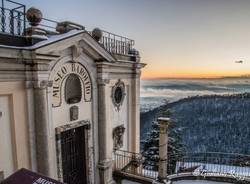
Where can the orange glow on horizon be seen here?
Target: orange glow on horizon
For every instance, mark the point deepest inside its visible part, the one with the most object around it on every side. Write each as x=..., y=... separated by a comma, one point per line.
x=181, y=74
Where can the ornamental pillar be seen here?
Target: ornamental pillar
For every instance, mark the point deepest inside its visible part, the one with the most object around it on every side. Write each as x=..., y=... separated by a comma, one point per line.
x=135, y=113
x=41, y=118
x=105, y=158
x=163, y=147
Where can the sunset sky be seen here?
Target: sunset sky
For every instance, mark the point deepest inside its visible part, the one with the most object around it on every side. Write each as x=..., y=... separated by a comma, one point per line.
x=176, y=38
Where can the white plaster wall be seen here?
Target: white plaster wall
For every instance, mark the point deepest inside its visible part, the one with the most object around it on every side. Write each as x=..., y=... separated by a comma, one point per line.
x=14, y=144
x=129, y=112
x=61, y=114
x=121, y=116
x=6, y=146
x=87, y=111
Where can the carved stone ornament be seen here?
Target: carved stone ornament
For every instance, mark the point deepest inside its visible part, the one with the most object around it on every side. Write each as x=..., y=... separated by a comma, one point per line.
x=74, y=111
x=78, y=84
x=76, y=52
x=118, y=133
x=34, y=16
x=118, y=94
x=97, y=34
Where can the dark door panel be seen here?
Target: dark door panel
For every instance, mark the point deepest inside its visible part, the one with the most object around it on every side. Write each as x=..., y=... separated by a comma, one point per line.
x=73, y=156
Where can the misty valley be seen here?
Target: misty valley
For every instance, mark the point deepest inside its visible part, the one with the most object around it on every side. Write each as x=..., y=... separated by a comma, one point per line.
x=207, y=123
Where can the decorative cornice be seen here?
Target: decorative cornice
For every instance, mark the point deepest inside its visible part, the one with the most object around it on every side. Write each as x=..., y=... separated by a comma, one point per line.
x=76, y=52
x=103, y=81
x=105, y=164
x=43, y=84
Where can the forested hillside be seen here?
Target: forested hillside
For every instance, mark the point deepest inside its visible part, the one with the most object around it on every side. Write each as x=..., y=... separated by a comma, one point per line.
x=211, y=123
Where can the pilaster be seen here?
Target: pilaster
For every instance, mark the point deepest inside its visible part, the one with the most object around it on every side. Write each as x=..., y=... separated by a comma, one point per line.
x=105, y=158
x=135, y=111
x=41, y=118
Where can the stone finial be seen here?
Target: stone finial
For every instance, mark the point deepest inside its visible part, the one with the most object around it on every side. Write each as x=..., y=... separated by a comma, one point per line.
x=133, y=52
x=66, y=26
x=97, y=34
x=34, y=16
x=163, y=120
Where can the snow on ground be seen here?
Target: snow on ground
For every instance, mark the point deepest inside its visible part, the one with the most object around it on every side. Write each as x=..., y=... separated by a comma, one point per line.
x=51, y=39
x=198, y=182
x=204, y=169
x=236, y=171
x=182, y=182
x=129, y=182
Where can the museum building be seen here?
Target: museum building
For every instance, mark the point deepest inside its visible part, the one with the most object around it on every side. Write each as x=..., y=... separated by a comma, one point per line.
x=68, y=97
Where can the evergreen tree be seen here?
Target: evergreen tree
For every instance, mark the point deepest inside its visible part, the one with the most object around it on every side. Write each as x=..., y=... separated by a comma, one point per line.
x=151, y=148
x=151, y=145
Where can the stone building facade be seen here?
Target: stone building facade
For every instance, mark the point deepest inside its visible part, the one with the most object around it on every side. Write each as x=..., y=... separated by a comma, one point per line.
x=66, y=102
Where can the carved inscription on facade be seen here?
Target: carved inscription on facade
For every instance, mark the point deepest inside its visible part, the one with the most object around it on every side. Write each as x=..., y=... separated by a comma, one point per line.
x=62, y=74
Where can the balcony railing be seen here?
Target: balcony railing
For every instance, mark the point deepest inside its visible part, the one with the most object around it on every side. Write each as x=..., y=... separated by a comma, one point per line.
x=12, y=19
x=116, y=44
x=236, y=166
x=134, y=163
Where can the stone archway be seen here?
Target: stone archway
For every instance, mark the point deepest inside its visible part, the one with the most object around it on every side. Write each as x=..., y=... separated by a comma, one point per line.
x=62, y=73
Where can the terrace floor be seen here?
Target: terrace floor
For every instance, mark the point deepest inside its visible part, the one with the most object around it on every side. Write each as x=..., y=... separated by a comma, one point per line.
x=183, y=182
x=198, y=182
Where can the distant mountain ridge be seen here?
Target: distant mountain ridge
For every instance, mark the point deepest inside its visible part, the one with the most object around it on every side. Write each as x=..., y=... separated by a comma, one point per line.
x=209, y=123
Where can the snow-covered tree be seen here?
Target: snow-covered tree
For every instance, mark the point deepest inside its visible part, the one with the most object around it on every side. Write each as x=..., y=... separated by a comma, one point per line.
x=151, y=144
x=151, y=148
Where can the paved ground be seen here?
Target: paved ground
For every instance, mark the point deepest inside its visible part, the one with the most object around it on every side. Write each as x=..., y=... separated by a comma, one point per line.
x=182, y=182
x=198, y=182
x=128, y=182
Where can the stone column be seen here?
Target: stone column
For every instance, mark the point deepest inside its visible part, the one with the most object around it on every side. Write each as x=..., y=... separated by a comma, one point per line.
x=105, y=159
x=163, y=148
x=41, y=117
x=135, y=96
x=31, y=124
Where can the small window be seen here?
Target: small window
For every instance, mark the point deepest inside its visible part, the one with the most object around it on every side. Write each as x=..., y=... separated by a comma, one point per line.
x=73, y=90
x=118, y=95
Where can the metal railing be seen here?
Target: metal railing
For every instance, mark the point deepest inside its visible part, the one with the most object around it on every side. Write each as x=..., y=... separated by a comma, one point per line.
x=48, y=24
x=223, y=164
x=116, y=44
x=12, y=19
x=212, y=163
x=133, y=163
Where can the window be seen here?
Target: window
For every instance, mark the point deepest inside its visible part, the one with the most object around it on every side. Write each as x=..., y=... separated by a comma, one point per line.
x=73, y=90
x=118, y=93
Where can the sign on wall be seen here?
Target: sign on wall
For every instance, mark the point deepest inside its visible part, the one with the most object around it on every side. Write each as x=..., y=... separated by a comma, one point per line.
x=62, y=74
